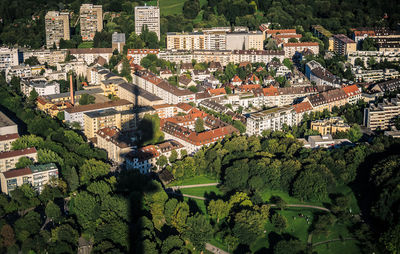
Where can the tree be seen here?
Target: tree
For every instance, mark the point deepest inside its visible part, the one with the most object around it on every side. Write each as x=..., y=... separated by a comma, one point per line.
x=172, y=244
x=7, y=236
x=47, y=156
x=391, y=239
x=53, y=212
x=23, y=162
x=293, y=40
x=93, y=169
x=199, y=125
x=32, y=61
x=126, y=69
x=279, y=202
x=198, y=230
x=279, y=221
x=183, y=153
x=173, y=157
x=368, y=44
x=33, y=95
x=162, y=161
x=150, y=125
x=228, y=90
x=60, y=115
x=180, y=215
x=288, y=63
x=218, y=209
x=71, y=176
x=191, y=9
x=86, y=209
x=239, y=125
x=359, y=62
x=86, y=99
x=249, y=225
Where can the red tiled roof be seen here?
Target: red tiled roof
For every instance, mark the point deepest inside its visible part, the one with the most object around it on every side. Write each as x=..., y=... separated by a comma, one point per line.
x=270, y=91
x=9, y=137
x=281, y=36
x=281, y=31
x=236, y=79
x=301, y=44
x=351, y=90
x=253, y=77
x=246, y=88
x=217, y=91
x=17, y=172
x=15, y=153
x=184, y=106
x=260, y=68
x=142, y=51
x=361, y=33
x=302, y=107
x=144, y=153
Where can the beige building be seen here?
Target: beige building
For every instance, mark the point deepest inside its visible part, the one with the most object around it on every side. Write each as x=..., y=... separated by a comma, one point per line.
x=343, y=45
x=57, y=28
x=91, y=20
x=148, y=16
x=8, y=58
x=383, y=115
x=51, y=57
x=92, y=54
x=186, y=41
x=291, y=48
x=37, y=176
x=137, y=95
x=329, y=125
x=8, y=132
x=114, y=142
x=8, y=159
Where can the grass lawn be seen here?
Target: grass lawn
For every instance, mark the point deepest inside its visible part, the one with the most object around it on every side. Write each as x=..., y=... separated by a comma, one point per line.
x=201, y=191
x=170, y=7
x=199, y=203
x=86, y=45
x=194, y=180
x=297, y=226
x=335, y=232
x=267, y=194
x=346, y=190
x=348, y=247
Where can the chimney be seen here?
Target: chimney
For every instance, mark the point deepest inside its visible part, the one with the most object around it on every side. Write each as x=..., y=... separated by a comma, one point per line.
x=71, y=90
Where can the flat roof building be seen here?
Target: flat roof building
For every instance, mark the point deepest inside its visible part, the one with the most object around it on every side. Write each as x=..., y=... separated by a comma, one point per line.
x=147, y=16
x=57, y=28
x=91, y=20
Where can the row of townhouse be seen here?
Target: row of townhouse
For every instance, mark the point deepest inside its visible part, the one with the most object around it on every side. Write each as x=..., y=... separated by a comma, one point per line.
x=155, y=85
x=290, y=115
x=379, y=56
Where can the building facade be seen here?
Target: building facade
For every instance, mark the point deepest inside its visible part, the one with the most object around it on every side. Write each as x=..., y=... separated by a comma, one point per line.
x=91, y=20
x=343, y=45
x=383, y=115
x=147, y=16
x=8, y=58
x=8, y=159
x=57, y=28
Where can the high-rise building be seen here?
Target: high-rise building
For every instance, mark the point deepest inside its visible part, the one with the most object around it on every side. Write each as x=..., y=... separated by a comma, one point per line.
x=343, y=45
x=148, y=16
x=57, y=28
x=91, y=18
x=8, y=58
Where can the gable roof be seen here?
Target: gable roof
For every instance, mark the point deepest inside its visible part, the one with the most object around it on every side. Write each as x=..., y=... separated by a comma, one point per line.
x=302, y=107
x=236, y=79
x=351, y=90
x=15, y=153
x=217, y=91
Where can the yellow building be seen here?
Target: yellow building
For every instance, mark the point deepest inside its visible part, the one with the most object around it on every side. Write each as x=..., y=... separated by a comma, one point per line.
x=329, y=126
x=343, y=45
x=116, y=144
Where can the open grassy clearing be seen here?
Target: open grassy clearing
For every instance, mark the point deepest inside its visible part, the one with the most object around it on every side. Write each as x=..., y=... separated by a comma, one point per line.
x=194, y=180
x=201, y=191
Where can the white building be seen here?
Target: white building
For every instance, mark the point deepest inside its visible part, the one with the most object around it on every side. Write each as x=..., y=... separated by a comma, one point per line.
x=41, y=85
x=270, y=119
x=148, y=16
x=8, y=58
x=91, y=20
x=138, y=54
x=91, y=54
x=374, y=75
x=20, y=71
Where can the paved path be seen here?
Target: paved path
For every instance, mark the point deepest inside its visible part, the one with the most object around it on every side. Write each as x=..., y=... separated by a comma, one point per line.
x=215, y=249
x=333, y=240
x=193, y=186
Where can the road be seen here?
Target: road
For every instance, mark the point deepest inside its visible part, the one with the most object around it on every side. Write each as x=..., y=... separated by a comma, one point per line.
x=333, y=240
x=215, y=249
x=193, y=186
x=272, y=205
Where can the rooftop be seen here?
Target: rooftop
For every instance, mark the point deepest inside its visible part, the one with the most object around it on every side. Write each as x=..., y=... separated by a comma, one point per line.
x=343, y=38
x=91, y=107
x=43, y=167
x=5, y=121
x=15, y=153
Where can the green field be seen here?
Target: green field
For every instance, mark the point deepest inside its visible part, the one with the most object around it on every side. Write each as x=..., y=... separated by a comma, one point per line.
x=194, y=180
x=267, y=194
x=201, y=191
x=348, y=247
x=86, y=45
x=171, y=7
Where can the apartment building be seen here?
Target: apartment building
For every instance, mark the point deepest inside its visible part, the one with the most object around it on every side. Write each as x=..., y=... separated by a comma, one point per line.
x=8, y=159
x=270, y=119
x=386, y=86
x=137, y=95
x=8, y=58
x=383, y=115
x=144, y=159
x=362, y=75
x=343, y=45
x=76, y=113
x=330, y=125
x=147, y=16
x=270, y=32
x=90, y=55
x=57, y=28
x=166, y=110
x=244, y=41
x=186, y=41
x=379, y=56
x=138, y=54
x=324, y=141
x=38, y=176
x=41, y=86
x=8, y=132
x=291, y=48
x=51, y=57
x=353, y=93
x=315, y=72
x=323, y=33
x=301, y=109
x=386, y=40
x=91, y=20
x=328, y=99
x=114, y=142
x=155, y=85
x=20, y=71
